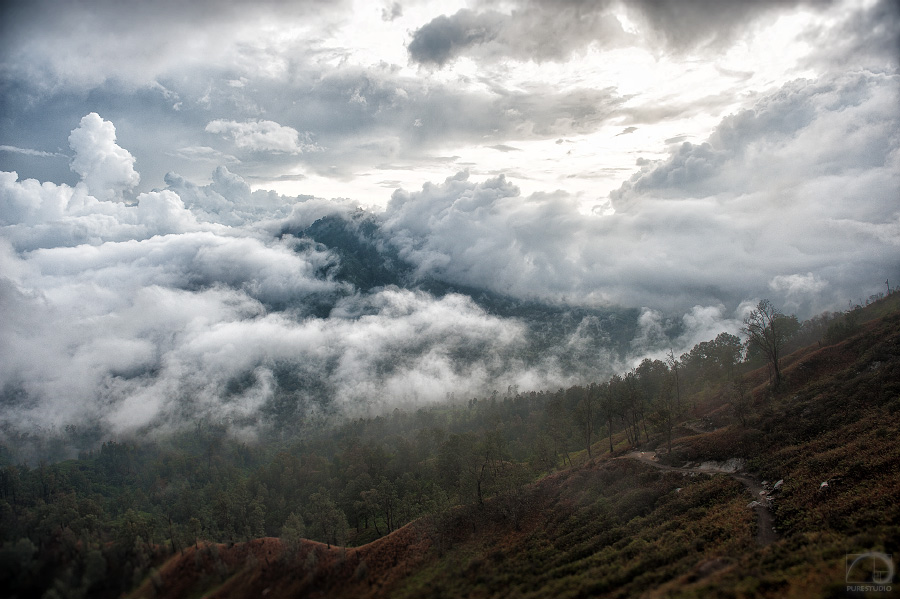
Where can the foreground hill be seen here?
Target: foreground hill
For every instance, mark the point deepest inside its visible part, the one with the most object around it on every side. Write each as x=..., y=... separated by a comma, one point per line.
x=679, y=525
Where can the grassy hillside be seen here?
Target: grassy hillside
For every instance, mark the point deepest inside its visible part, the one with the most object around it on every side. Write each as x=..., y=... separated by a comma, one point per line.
x=619, y=527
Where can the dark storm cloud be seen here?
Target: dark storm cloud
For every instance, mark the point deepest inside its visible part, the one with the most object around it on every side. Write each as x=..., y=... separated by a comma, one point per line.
x=552, y=30
x=444, y=38
x=535, y=30
x=869, y=38
x=688, y=24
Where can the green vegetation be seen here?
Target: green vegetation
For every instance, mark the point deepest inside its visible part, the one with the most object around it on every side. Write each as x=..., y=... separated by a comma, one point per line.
x=517, y=494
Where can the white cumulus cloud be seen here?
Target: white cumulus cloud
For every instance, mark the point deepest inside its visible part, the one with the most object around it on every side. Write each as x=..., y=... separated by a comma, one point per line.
x=262, y=136
x=105, y=168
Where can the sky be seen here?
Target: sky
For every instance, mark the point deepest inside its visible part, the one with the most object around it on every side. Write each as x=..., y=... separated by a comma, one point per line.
x=682, y=158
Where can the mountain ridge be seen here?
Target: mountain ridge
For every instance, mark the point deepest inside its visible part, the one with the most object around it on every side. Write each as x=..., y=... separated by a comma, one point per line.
x=667, y=533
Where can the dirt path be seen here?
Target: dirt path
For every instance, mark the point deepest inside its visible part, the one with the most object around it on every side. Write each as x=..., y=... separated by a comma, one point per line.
x=694, y=427
x=765, y=522
x=765, y=534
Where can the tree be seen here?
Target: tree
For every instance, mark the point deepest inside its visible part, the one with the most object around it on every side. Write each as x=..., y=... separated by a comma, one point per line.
x=328, y=521
x=727, y=353
x=369, y=502
x=608, y=406
x=292, y=534
x=631, y=404
x=585, y=412
x=666, y=412
x=673, y=365
x=558, y=426
x=714, y=361
x=767, y=330
x=388, y=501
x=544, y=456
x=651, y=375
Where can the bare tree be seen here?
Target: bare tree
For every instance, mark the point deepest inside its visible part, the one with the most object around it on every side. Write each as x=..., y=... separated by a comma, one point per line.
x=767, y=329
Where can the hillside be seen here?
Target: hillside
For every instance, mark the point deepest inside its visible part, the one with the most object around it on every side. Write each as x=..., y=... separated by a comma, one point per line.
x=616, y=526
x=367, y=260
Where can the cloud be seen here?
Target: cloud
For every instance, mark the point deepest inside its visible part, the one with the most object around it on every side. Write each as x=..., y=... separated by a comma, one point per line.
x=112, y=302
x=676, y=140
x=201, y=296
x=807, y=126
x=204, y=153
x=786, y=187
x=690, y=24
x=868, y=37
x=299, y=65
x=228, y=199
x=156, y=332
x=384, y=131
x=30, y=201
x=105, y=168
x=659, y=335
x=30, y=152
x=798, y=290
x=543, y=30
x=533, y=31
x=38, y=215
x=797, y=283
x=195, y=302
x=392, y=12
x=68, y=44
x=485, y=234
x=262, y=136
x=444, y=38
x=164, y=212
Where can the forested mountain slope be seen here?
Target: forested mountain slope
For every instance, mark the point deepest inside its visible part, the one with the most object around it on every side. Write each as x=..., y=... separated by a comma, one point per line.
x=617, y=527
